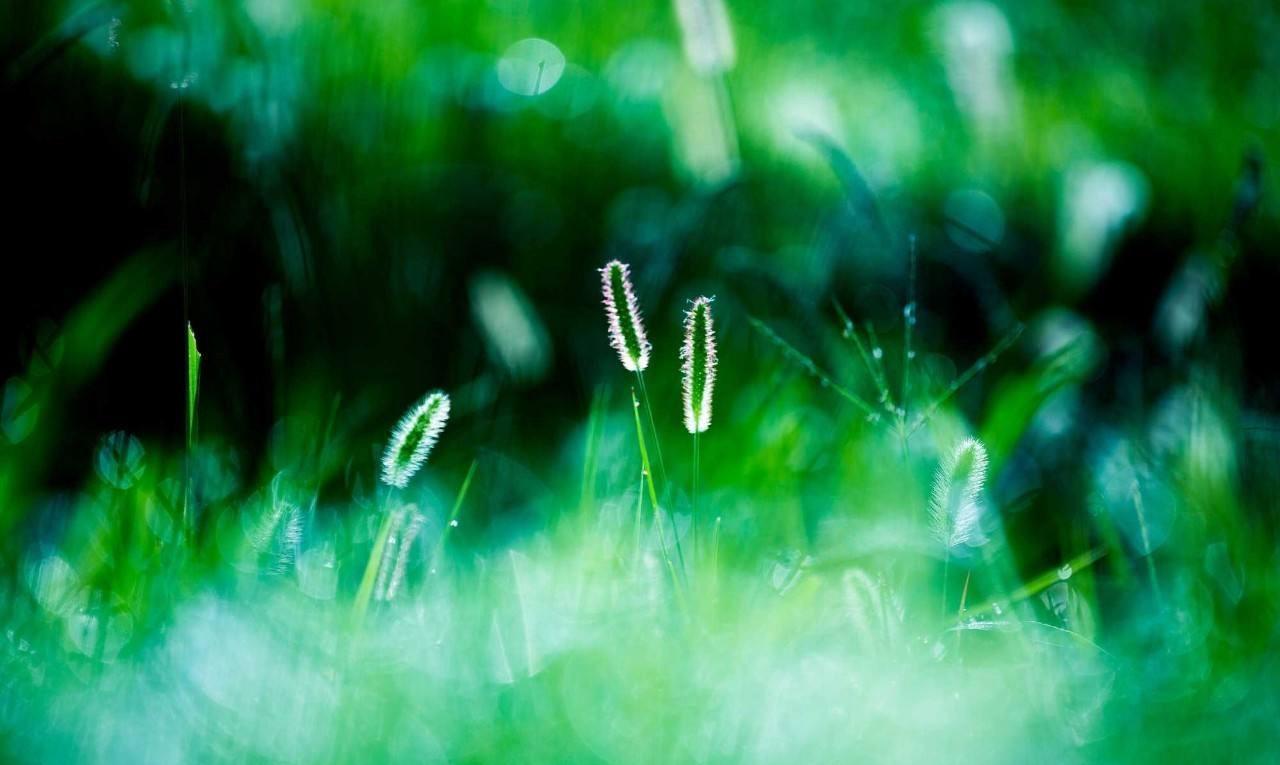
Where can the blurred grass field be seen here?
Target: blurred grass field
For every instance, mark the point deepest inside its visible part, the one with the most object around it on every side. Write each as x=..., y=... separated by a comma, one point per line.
x=246, y=237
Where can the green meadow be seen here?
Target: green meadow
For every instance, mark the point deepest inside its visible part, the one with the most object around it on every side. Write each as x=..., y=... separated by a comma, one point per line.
x=707, y=381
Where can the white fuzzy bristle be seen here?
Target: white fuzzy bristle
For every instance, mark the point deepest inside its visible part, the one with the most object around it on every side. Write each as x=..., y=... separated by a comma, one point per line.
x=413, y=438
x=698, y=355
x=957, y=488
x=626, y=327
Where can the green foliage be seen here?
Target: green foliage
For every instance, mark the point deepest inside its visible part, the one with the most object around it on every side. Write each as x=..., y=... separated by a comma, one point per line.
x=1047, y=408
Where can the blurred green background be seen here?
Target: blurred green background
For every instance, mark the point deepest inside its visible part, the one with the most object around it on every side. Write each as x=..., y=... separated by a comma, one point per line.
x=355, y=203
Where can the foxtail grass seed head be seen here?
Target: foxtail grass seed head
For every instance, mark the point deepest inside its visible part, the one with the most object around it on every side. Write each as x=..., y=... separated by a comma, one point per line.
x=413, y=437
x=708, y=40
x=957, y=488
x=699, y=356
x=405, y=546
x=626, y=329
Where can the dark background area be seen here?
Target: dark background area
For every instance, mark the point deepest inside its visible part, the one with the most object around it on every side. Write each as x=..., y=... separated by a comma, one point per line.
x=355, y=246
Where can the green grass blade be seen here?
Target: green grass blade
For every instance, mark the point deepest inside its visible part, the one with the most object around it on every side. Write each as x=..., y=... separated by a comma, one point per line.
x=450, y=524
x=365, y=592
x=653, y=494
x=809, y=366
x=193, y=383
x=591, y=450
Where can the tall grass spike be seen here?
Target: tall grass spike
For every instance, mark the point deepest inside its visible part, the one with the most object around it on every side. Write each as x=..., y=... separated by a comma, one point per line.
x=413, y=437
x=699, y=365
x=626, y=328
x=957, y=487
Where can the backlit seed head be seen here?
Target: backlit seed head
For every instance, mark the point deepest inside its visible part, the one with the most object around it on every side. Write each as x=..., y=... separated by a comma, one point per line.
x=413, y=437
x=957, y=488
x=698, y=355
x=626, y=329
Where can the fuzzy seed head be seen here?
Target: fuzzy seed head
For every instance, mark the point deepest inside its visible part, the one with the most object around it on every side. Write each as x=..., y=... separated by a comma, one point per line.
x=957, y=490
x=413, y=437
x=626, y=329
x=698, y=355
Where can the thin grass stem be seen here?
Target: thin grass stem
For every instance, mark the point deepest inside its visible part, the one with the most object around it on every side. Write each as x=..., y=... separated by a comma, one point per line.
x=877, y=354
x=964, y=596
x=908, y=327
x=653, y=427
x=850, y=332
x=715, y=557
x=1146, y=544
x=591, y=456
x=977, y=366
x=946, y=573
x=1042, y=582
x=365, y=592
x=808, y=365
x=694, y=502
x=451, y=523
x=639, y=523
x=729, y=125
x=647, y=472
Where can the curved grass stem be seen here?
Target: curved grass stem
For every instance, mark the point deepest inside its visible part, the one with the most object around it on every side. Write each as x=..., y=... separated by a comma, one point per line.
x=653, y=427
x=647, y=471
x=694, y=501
x=450, y=524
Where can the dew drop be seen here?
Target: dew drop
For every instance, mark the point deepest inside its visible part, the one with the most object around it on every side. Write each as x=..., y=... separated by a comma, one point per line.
x=877, y=352
x=454, y=523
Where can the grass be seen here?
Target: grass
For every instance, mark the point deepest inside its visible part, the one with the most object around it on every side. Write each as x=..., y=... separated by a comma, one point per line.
x=835, y=580
x=600, y=637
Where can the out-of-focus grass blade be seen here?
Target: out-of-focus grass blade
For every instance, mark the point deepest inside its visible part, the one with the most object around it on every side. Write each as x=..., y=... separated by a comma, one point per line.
x=371, y=570
x=89, y=333
x=862, y=200
x=193, y=383
x=61, y=39
x=193, y=389
x=809, y=366
x=591, y=456
x=453, y=515
x=1040, y=583
x=647, y=473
